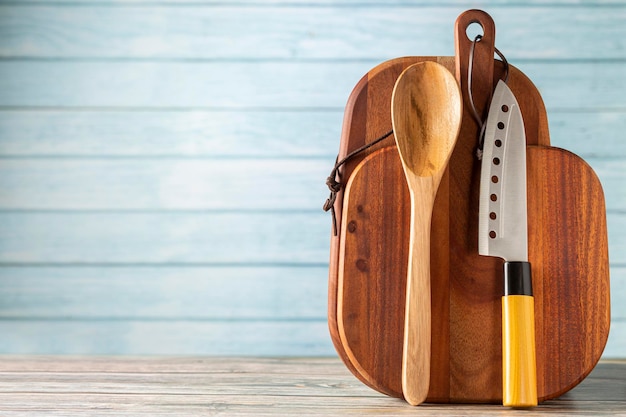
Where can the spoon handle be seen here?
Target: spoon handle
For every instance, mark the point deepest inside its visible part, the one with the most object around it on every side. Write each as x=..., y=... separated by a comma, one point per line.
x=417, y=322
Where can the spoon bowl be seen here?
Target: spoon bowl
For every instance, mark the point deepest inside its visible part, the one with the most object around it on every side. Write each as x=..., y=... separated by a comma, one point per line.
x=426, y=116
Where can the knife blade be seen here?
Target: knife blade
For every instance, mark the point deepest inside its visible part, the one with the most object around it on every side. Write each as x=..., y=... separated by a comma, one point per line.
x=502, y=232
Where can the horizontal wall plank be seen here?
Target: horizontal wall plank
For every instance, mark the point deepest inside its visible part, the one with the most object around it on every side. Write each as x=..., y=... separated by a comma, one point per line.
x=612, y=175
x=616, y=345
x=167, y=293
x=618, y=293
x=311, y=3
x=187, y=184
x=190, y=338
x=267, y=85
x=194, y=184
x=183, y=86
x=306, y=338
x=179, y=133
x=196, y=338
x=258, y=31
x=589, y=134
x=184, y=293
x=165, y=238
x=187, y=237
x=114, y=115
x=241, y=133
x=616, y=225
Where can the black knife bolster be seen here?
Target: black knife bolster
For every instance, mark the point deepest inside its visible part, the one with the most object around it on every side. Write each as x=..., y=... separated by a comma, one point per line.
x=517, y=278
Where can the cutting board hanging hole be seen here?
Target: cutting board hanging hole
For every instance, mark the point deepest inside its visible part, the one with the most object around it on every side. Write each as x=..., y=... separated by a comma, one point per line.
x=473, y=30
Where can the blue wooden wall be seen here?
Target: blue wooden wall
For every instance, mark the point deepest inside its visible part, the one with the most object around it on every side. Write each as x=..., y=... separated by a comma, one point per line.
x=162, y=163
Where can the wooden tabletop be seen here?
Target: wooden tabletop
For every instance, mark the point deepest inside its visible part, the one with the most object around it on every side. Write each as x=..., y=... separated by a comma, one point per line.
x=115, y=386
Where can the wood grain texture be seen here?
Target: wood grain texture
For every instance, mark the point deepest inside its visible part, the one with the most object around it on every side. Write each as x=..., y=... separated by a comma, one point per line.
x=358, y=130
x=236, y=386
x=474, y=285
x=371, y=308
x=382, y=78
x=426, y=116
x=570, y=266
x=474, y=289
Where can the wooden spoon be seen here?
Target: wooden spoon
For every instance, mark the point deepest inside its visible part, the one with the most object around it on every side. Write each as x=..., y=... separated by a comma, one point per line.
x=426, y=115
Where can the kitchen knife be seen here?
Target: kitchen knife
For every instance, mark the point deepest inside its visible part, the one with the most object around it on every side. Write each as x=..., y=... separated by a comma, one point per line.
x=502, y=232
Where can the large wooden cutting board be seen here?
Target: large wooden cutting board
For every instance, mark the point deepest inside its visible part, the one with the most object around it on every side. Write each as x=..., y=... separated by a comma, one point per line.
x=567, y=248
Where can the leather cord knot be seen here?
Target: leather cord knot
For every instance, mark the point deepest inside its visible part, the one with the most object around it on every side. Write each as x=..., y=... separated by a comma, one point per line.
x=334, y=186
x=333, y=182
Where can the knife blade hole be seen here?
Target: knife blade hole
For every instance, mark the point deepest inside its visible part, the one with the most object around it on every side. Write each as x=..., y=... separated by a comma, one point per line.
x=494, y=179
x=500, y=125
x=496, y=161
x=494, y=197
x=505, y=108
x=492, y=234
x=492, y=215
x=498, y=143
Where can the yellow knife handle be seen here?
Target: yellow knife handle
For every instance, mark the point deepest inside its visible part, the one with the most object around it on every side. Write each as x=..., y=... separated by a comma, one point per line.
x=519, y=370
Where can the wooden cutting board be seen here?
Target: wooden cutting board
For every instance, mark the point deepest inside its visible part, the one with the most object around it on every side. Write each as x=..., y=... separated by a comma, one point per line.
x=567, y=247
